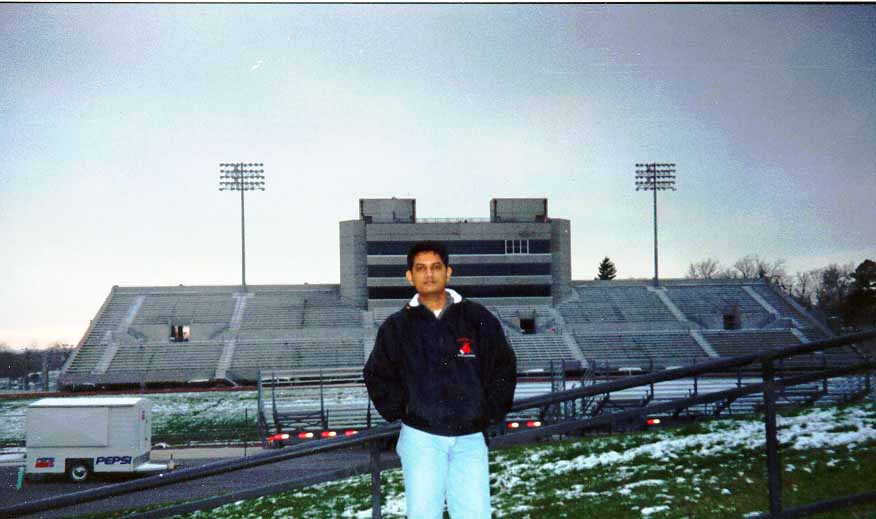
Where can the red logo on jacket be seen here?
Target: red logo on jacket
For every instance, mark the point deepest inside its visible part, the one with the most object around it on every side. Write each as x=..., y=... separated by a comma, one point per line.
x=464, y=347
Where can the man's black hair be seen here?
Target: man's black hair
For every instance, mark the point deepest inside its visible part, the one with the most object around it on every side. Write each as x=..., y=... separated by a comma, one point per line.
x=428, y=246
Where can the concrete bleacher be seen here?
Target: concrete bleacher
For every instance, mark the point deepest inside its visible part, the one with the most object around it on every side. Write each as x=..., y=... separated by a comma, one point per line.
x=743, y=342
x=272, y=310
x=620, y=303
x=202, y=308
x=812, y=329
x=91, y=350
x=194, y=356
x=299, y=352
x=671, y=349
x=712, y=299
x=639, y=350
x=331, y=316
x=381, y=313
x=537, y=351
x=618, y=324
x=289, y=309
x=730, y=343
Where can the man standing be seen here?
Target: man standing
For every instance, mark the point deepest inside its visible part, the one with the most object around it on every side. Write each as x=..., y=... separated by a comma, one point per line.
x=443, y=366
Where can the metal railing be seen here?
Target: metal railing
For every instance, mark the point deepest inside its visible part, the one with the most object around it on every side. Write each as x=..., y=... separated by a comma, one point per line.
x=377, y=437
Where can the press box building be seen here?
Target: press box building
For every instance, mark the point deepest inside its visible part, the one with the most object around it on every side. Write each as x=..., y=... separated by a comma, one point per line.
x=518, y=252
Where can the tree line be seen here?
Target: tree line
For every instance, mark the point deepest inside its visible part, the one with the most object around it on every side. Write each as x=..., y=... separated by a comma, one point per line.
x=17, y=363
x=844, y=294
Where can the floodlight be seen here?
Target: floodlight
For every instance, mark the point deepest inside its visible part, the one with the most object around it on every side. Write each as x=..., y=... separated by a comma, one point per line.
x=241, y=177
x=655, y=177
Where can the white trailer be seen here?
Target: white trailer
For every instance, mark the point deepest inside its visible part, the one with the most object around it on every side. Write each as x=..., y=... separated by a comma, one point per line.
x=83, y=436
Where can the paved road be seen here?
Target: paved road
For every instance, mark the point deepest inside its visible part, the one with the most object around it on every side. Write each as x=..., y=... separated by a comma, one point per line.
x=221, y=484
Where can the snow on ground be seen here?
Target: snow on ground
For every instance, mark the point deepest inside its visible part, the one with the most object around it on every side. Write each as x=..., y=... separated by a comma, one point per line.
x=519, y=478
x=818, y=428
x=514, y=479
x=8, y=457
x=12, y=419
x=654, y=510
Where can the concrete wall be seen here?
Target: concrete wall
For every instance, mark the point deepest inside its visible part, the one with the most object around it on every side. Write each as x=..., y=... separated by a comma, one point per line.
x=386, y=210
x=447, y=231
x=518, y=209
x=354, y=263
x=561, y=262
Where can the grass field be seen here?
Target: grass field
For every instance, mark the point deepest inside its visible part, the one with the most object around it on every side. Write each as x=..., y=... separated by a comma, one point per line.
x=704, y=470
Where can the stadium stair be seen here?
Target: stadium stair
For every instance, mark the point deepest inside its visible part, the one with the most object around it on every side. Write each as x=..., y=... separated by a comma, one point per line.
x=661, y=293
x=764, y=303
x=704, y=344
x=234, y=326
x=113, y=337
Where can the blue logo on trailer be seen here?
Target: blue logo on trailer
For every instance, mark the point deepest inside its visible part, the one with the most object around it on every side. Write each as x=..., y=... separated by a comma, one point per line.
x=113, y=460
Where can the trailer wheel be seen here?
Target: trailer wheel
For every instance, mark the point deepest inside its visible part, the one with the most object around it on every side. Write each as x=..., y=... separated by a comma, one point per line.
x=78, y=472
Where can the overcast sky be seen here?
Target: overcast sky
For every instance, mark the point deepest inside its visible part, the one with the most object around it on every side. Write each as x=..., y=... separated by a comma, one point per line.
x=116, y=117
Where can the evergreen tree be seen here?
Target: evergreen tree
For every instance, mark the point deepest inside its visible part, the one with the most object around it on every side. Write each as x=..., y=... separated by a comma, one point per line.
x=607, y=270
x=859, y=307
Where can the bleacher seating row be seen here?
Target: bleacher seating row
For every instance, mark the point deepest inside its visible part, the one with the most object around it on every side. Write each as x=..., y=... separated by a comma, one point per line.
x=617, y=324
x=604, y=303
x=743, y=342
x=536, y=351
x=286, y=310
x=712, y=299
x=640, y=350
x=272, y=311
x=381, y=313
x=299, y=353
x=635, y=303
x=159, y=356
x=202, y=308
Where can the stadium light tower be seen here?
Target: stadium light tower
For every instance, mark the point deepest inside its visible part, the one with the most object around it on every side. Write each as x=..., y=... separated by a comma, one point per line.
x=655, y=177
x=242, y=177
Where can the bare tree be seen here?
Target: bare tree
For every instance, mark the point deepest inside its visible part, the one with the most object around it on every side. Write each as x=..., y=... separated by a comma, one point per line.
x=747, y=266
x=753, y=266
x=804, y=287
x=708, y=268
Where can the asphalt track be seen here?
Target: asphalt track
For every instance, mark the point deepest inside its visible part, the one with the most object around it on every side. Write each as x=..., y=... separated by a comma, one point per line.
x=199, y=489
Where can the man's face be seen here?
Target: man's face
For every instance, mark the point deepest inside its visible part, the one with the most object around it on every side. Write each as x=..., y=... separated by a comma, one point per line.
x=429, y=275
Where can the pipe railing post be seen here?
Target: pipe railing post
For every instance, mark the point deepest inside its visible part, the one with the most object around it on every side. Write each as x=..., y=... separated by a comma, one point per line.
x=825, y=386
x=375, y=480
x=774, y=467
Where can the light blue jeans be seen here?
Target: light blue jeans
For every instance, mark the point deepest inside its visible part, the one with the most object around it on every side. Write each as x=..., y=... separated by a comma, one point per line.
x=435, y=468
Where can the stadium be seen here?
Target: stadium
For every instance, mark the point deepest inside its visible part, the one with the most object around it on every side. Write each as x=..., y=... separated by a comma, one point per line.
x=516, y=262
x=593, y=355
